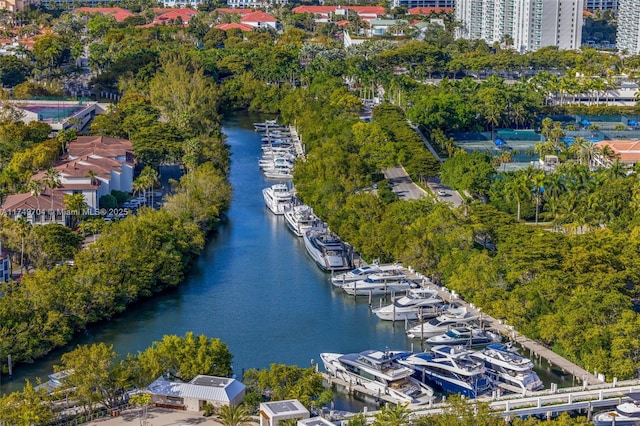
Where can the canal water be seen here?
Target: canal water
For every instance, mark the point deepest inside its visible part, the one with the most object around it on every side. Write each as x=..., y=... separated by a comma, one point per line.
x=255, y=288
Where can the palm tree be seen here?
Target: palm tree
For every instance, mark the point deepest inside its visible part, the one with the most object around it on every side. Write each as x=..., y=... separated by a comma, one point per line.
x=24, y=227
x=538, y=181
x=52, y=181
x=393, y=415
x=517, y=189
x=583, y=150
x=35, y=187
x=232, y=415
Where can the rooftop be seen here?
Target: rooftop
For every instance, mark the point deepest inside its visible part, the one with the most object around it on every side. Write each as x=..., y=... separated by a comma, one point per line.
x=208, y=388
x=258, y=16
x=118, y=13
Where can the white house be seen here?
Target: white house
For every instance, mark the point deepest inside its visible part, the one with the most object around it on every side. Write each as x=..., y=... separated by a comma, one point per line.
x=259, y=19
x=201, y=390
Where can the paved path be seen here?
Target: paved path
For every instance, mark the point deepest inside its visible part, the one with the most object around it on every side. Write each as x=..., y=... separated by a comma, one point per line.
x=426, y=142
x=444, y=193
x=402, y=185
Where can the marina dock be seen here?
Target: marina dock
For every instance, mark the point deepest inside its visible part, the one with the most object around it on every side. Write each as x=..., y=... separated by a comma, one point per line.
x=534, y=348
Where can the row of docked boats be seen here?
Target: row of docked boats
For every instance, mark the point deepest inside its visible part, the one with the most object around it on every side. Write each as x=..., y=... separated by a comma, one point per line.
x=413, y=377
x=278, y=150
x=327, y=250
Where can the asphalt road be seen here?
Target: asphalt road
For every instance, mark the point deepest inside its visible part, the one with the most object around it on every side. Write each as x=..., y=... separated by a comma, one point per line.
x=444, y=193
x=402, y=185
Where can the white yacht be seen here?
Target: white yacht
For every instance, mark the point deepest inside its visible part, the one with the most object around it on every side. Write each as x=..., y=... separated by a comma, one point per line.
x=417, y=303
x=278, y=172
x=277, y=198
x=363, y=272
x=267, y=125
x=451, y=318
x=625, y=414
x=506, y=365
x=378, y=284
x=467, y=336
x=379, y=372
x=450, y=369
x=328, y=251
x=300, y=219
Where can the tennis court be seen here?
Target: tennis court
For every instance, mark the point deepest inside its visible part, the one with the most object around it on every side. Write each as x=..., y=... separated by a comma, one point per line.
x=519, y=143
x=54, y=112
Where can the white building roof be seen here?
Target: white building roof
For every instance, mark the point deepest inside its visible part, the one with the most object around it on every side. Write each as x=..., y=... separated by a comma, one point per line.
x=284, y=409
x=207, y=388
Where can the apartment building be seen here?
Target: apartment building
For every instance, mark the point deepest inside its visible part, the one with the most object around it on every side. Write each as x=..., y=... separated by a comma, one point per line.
x=628, y=39
x=528, y=24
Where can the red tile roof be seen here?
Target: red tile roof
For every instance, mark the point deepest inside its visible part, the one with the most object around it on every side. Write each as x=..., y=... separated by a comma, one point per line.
x=258, y=16
x=368, y=10
x=118, y=13
x=586, y=14
x=233, y=10
x=627, y=151
x=314, y=9
x=234, y=25
x=342, y=23
x=99, y=145
x=174, y=14
x=428, y=10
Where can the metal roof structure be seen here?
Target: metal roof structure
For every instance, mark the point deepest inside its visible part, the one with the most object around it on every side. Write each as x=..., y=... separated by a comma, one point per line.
x=202, y=387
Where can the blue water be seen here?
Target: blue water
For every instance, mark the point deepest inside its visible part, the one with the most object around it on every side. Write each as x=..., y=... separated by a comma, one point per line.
x=254, y=287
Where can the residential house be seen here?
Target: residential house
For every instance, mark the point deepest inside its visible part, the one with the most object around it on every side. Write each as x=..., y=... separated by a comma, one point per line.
x=93, y=167
x=118, y=13
x=259, y=19
x=168, y=16
x=5, y=265
x=426, y=11
x=627, y=151
x=331, y=13
x=234, y=25
x=201, y=390
x=382, y=27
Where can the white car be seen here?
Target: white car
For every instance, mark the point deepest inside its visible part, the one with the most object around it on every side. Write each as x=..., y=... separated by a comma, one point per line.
x=442, y=192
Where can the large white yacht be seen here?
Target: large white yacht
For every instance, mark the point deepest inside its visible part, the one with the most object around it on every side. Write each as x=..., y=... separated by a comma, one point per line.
x=278, y=198
x=505, y=365
x=328, y=251
x=300, y=219
x=625, y=414
x=450, y=369
x=378, y=284
x=451, y=318
x=379, y=372
x=363, y=272
x=467, y=336
x=417, y=303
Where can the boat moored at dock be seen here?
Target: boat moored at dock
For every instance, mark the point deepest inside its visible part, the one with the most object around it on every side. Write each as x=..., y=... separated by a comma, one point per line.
x=378, y=284
x=277, y=198
x=450, y=368
x=451, y=318
x=417, y=303
x=378, y=372
x=328, y=251
x=625, y=414
x=300, y=219
x=363, y=272
x=505, y=365
x=467, y=336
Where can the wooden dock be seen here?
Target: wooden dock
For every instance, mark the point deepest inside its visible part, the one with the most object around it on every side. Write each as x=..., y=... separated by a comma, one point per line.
x=509, y=332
